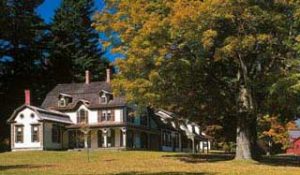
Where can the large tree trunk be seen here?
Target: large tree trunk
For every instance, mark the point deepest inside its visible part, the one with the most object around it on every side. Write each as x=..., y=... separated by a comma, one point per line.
x=243, y=139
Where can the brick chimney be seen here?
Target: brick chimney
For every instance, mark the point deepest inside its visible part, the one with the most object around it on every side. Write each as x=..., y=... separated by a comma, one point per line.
x=27, y=97
x=87, y=77
x=108, y=74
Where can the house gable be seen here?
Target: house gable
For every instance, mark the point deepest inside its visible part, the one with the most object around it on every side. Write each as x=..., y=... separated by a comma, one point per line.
x=20, y=113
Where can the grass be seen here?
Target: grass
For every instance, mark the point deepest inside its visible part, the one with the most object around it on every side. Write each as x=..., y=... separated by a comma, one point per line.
x=140, y=163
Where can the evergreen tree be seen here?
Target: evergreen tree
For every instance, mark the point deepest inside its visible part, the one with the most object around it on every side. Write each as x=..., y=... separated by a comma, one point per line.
x=21, y=35
x=74, y=45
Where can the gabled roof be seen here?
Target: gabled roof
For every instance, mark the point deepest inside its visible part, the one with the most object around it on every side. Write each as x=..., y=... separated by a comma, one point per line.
x=43, y=114
x=81, y=91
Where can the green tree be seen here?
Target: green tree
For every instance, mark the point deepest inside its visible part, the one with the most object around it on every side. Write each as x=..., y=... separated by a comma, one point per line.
x=202, y=59
x=74, y=44
x=21, y=36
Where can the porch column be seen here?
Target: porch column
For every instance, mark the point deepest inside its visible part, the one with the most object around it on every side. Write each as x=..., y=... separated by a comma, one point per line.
x=105, y=137
x=179, y=142
x=208, y=146
x=124, y=136
x=201, y=147
x=193, y=145
x=85, y=140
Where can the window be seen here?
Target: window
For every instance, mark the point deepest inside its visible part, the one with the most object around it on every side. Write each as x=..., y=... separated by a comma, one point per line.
x=176, y=140
x=103, y=116
x=82, y=116
x=32, y=115
x=19, y=133
x=106, y=115
x=22, y=116
x=56, y=133
x=62, y=102
x=167, y=138
x=103, y=99
x=34, y=133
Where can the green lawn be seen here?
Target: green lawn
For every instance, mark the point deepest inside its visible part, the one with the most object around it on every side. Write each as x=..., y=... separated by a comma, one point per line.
x=139, y=162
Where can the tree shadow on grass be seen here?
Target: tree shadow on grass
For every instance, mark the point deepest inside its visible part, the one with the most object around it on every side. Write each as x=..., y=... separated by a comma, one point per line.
x=277, y=160
x=198, y=158
x=280, y=160
x=165, y=173
x=23, y=166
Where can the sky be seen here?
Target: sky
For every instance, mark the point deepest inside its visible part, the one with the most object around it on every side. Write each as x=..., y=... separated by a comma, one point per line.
x=47, y=10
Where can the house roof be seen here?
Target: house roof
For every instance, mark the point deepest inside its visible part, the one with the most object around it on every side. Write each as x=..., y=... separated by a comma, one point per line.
x=81, y=92
x=167, y=118
x=43, y=114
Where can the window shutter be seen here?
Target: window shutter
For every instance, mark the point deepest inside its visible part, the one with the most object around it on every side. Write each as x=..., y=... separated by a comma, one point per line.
x=112, y=113
x=99, y=115
x=86, y=116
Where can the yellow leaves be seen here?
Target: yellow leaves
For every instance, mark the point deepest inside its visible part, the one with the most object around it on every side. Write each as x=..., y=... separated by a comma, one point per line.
x=208, y=38
x=275, y=129
x=291, y=125
x=297, y=38
x=154, y=76
x=263, y=38
x=229, y=50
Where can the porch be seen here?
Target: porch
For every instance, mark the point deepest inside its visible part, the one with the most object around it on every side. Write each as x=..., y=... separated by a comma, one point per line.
x=117, y=138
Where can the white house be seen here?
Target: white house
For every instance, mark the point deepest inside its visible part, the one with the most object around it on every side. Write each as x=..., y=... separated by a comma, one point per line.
x=78, y=115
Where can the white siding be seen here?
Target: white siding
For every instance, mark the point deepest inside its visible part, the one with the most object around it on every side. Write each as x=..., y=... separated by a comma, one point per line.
x=73, y=116
x=26, y=121
x=93, y=115
x=119, y=115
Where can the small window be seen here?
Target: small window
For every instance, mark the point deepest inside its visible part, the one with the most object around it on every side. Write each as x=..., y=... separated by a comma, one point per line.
x=62, y=102
x=103, y=99
x=22, y=116
x=82, y=116
x=19, y=133
x=103, y=116
x=34, y=133
x=108, y=115
x=56, y=133
x=32, y=115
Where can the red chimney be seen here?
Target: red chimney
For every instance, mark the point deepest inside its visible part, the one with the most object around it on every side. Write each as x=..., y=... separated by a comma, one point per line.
x=27, y=97
x=87, y=77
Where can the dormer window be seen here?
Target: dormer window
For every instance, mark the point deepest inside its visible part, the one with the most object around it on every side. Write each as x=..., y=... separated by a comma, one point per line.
x=64, y=100
x=105, y=97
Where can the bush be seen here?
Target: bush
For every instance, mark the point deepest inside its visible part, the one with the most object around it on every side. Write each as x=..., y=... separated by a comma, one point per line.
x=4, y=145
x=228, y=147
